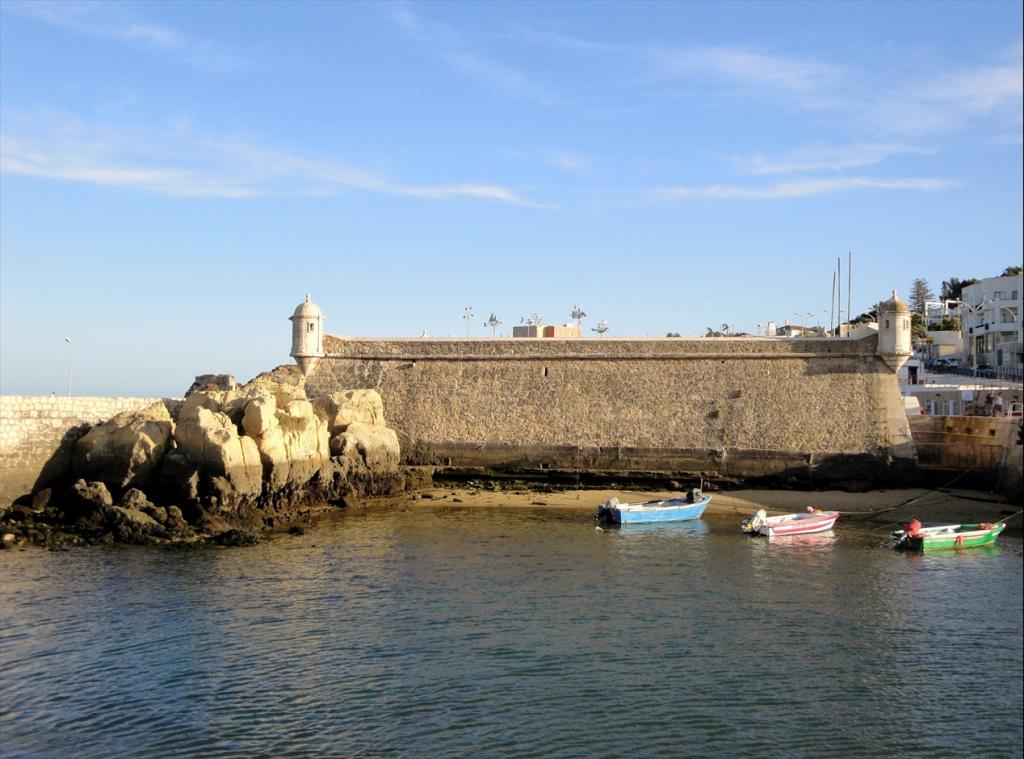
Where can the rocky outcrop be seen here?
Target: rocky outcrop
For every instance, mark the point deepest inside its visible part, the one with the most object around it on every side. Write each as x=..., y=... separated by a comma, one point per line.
x=342, y=409
x=211, y=383
x=375, y=447
x=86, y=504
x=124, y=452
x=233, y=458
x=293, y=442
x=229, y=462
x=131, y=526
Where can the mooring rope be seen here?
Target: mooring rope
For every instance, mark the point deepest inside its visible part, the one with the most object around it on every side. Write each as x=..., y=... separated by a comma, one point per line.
x=1006, y=519
x=909, y=500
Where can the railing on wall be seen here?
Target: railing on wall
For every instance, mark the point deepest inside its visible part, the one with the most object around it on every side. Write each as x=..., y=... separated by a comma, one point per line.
x=1005, y=373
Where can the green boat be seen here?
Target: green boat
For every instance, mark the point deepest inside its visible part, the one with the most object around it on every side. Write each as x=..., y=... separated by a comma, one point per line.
x=914, y=537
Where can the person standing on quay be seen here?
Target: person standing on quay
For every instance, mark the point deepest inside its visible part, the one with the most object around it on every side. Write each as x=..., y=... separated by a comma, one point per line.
x=997, y=405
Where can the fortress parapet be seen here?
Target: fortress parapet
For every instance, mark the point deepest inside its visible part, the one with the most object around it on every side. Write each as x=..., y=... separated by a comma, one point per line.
x=826, y=410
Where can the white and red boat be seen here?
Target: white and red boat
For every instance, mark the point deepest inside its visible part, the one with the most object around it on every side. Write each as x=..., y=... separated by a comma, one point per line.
x=811, y=521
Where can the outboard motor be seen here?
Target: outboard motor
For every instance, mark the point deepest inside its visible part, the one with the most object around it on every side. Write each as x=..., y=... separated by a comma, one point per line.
x=604, y=511
x=911, y=529
x=754, y=523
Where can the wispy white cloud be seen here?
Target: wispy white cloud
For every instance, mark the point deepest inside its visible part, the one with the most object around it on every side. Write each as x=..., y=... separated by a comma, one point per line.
x=325, y=173
x=565, y=160
x=450, y=45
x=803, y=188
x=748, y=69
x=948, y=101
x=487, y=192
x=18, y=158
x=111, y=21
x=833, y=159
x=939, y=101
x=978, y=89
x=498, y=76
x=731, y=70
x=180, y=163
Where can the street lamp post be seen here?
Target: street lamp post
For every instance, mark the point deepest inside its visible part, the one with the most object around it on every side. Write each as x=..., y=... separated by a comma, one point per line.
x=494, y=322
x=577, y=316
x=467, y=314
x=68, y=341
x=803, y=319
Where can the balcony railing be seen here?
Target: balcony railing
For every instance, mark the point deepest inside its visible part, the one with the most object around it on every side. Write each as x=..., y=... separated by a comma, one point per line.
x=1006, y=373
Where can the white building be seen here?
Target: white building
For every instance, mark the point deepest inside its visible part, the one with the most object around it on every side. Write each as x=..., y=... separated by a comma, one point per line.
x=941, y=344
x=937, y=310
x=991, y=322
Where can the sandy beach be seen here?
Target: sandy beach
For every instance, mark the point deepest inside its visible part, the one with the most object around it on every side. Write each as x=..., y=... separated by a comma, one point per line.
x=875, y=506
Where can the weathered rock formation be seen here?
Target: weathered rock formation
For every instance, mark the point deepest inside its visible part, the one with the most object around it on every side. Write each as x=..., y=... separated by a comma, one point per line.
x=375, y=447
x=125, y=451
x=232, y=457
x=341, y=409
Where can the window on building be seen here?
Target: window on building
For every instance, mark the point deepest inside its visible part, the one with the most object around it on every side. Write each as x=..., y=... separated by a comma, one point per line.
x=999, y=295
x=887, y=324
x=1014, y=295
x=310, y=327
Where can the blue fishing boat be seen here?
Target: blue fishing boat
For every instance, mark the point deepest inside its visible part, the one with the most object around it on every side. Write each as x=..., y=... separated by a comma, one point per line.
x=679, y=509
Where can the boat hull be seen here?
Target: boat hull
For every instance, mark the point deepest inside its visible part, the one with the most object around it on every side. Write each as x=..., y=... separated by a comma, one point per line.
x=954, y=537
x=677, y=510
x=799, y=527
x=784, y=525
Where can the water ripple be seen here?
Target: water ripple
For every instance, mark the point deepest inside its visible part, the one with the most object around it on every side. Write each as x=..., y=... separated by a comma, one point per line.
x=483, y=632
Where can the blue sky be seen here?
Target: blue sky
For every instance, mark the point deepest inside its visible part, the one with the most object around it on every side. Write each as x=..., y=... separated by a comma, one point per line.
x=175, y=177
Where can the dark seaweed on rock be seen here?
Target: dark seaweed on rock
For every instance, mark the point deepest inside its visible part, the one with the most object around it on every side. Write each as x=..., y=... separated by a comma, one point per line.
x=229, y=463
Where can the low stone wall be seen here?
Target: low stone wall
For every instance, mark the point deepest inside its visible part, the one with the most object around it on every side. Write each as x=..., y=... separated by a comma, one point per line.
x=964, y=442
x=983, y=448
x=38, y=435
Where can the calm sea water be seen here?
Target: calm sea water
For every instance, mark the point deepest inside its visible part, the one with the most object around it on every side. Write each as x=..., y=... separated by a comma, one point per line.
x=452, y=632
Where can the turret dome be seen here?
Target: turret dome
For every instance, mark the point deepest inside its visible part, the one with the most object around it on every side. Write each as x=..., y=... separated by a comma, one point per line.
x=307, y=309
x=894, y=305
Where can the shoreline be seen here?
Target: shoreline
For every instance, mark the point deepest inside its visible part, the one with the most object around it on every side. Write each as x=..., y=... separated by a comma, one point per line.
x=876, y=508
x=900, y=505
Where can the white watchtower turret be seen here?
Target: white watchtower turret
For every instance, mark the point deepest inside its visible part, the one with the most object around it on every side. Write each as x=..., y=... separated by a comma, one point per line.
x=307, y=335
x=894, y=332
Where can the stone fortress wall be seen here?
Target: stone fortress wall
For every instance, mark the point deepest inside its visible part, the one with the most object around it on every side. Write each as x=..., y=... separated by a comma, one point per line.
x=731, y=407
x=38, y=432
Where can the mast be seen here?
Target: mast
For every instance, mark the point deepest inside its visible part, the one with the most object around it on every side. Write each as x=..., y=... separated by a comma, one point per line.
x=849, y=283
x=832, y=307
x=839, y=302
